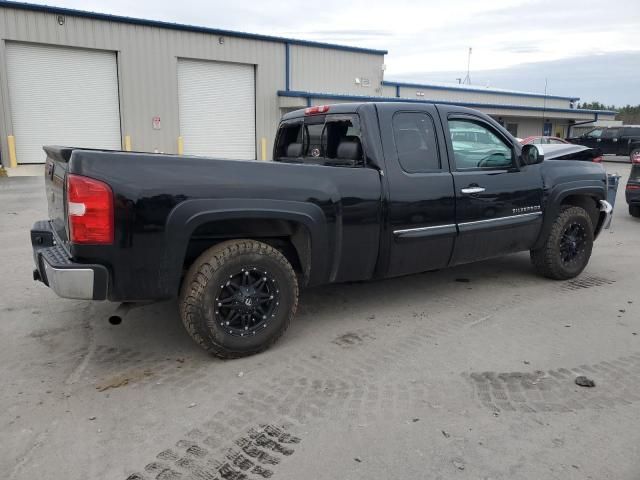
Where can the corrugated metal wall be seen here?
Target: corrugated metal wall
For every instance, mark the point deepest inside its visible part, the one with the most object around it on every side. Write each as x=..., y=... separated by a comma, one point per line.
x=526, y=126
x=510, y=112
x=455, y=95
x=335, y=71
x=147, y=69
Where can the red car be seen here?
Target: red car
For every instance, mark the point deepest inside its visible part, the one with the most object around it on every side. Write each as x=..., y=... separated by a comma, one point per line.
x=542, y=140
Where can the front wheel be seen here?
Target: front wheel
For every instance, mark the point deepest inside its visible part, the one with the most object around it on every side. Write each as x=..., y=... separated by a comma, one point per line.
x=238, y=298
x=567, y=248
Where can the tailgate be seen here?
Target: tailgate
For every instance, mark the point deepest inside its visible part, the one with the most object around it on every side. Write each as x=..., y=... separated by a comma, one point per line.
x=54, y=179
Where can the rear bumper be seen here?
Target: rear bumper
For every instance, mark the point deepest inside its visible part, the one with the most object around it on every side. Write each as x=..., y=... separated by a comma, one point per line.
x=632, y=196
x=55, y=269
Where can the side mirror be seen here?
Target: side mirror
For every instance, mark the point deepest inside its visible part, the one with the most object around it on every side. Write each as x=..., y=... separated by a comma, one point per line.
x=532, y=154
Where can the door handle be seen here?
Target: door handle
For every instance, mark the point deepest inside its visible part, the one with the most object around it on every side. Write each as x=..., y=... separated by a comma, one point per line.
x=472, y=190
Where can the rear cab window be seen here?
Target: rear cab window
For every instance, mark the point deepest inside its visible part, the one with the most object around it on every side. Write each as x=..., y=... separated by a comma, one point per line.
x=416, y=144
x=332, y=139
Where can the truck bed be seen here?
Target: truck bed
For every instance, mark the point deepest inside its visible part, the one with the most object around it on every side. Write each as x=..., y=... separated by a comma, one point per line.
x=158, y=196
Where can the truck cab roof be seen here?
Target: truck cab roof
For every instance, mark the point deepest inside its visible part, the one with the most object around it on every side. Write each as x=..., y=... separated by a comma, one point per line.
x=354, y=107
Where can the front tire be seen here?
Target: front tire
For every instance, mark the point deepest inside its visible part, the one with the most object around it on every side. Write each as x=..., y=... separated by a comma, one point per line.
x=567, y=248
x=238, y=298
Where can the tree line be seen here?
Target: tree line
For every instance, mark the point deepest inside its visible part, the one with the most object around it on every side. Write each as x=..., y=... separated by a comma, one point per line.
x=629, y=114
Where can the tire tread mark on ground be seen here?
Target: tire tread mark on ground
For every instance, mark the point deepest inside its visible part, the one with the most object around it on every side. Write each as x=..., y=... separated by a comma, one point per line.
x=252, y=455
x=555, y=390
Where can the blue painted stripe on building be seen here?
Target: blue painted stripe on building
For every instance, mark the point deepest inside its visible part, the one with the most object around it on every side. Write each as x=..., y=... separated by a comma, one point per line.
x=476, y=90
x=362, y=98
x=178, y=26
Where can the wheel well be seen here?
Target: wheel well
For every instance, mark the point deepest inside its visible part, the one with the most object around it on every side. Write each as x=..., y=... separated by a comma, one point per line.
x=590, y=204
x=290, y=238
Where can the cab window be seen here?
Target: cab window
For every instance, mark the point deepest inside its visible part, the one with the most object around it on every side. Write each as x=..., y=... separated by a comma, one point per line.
x=476, y=146
x=321, y=139
x=416, y=144
x=595, y=133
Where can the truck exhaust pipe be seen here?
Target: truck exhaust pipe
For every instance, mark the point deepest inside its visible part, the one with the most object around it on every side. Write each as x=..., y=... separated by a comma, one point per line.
x=123, y=310
x=120, y=312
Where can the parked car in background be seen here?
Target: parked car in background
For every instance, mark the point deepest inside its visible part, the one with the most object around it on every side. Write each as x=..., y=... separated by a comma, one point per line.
x=542, y=140
x=624, y=140
x=632, y=190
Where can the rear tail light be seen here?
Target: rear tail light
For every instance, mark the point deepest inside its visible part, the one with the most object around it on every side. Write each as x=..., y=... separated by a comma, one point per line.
x=90, y=211
x=316, y=110
x=598, y=159
x=632, y=187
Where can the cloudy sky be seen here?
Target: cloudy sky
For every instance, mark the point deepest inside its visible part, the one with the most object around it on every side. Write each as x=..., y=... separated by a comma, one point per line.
x=585, y=48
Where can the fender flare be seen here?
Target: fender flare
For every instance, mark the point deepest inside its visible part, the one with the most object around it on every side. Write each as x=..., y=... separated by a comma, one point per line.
x=555, y=198
x=190, y=214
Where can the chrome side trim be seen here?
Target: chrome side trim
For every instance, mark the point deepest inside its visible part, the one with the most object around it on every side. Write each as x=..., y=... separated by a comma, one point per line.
x=434, y=229
x=70, y=282
x=409, y=232
x=500, y=219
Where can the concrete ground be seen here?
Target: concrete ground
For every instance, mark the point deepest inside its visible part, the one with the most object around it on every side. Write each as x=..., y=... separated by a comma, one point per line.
x=463, y=373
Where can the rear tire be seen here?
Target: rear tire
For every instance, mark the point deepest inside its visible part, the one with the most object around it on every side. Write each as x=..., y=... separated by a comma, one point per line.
x=567, y=248
x=238, y=298
x=634, y=153
x=634, y=210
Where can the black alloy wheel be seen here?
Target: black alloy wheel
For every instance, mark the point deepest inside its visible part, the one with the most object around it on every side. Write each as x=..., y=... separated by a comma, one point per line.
x=246, y=302
x=572, y=243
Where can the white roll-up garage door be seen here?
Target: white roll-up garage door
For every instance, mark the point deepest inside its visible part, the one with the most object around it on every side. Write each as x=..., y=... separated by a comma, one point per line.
x=217, y=109
x=62, y=96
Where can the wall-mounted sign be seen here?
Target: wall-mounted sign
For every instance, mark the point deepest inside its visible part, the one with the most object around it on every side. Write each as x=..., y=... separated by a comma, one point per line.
x=155, y=123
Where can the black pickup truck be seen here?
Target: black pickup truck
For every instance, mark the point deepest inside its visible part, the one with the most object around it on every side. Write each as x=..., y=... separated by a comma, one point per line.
x=623, y=140
x=355, y=192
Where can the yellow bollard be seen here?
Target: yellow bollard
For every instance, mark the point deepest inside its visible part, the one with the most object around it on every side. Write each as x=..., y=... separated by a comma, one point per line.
x=11, y=140
x=180, y=146
x=127, y=143
x=263, y=145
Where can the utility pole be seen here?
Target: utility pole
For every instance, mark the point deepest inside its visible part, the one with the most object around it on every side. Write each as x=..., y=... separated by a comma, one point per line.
x=467, y=79
x=544, y=106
